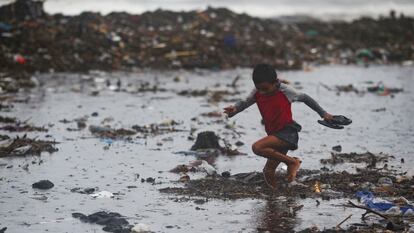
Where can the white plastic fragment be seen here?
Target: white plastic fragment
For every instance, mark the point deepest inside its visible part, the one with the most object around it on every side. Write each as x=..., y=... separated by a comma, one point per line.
x=102, y=194
x=395, y=210
x=140, y=228
x=206, y=167
x=409, y=212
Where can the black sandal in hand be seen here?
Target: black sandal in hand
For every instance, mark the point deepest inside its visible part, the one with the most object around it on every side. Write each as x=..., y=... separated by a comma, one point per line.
x=337, y=122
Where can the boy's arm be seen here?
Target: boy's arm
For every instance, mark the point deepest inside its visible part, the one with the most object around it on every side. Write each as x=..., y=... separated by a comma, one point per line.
x=294, y=95
x=243, y=104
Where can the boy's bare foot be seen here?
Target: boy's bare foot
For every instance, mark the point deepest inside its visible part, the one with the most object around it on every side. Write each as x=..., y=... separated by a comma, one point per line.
x=293, y=169
x=270, y=178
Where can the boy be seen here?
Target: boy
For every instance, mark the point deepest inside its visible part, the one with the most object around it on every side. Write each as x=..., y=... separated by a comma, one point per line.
x=274, y=102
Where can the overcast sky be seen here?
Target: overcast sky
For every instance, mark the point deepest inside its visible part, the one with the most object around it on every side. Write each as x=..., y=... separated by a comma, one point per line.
x=262, y=8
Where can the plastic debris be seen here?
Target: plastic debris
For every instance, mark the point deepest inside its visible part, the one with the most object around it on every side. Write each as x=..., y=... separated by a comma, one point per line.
x=385, y=181
x=140, y=228
x=195, y=166
x=368, y=199
x=102, y=194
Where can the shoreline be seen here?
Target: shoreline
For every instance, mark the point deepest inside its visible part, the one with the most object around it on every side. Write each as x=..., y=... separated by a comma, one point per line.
x=216, y=38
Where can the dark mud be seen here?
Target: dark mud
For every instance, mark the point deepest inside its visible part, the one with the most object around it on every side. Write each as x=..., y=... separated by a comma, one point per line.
x=312, y=183
x=242, y=185
x=43, y=184
x=208, y=142
x=112, y=222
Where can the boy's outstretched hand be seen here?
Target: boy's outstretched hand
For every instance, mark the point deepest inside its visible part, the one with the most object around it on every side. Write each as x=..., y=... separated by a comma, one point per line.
x=327, y=117
x=230, y=110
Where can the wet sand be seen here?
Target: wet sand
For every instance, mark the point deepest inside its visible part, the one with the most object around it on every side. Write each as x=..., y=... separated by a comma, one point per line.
x=85, y=161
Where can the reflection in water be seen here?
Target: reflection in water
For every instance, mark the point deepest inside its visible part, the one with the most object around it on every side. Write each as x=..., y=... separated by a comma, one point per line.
x=278, y=215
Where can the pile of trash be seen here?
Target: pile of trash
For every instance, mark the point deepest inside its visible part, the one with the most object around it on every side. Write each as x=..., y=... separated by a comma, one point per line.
x=212, y=38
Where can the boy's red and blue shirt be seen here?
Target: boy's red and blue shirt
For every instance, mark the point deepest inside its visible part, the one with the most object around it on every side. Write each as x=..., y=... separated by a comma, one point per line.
x=276, y=109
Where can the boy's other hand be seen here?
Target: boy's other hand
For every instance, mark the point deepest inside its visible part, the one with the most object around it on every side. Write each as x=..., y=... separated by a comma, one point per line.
x=230, y=110
x=327, y=117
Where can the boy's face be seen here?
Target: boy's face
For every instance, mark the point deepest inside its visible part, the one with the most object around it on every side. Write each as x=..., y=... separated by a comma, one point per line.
x=266, y=88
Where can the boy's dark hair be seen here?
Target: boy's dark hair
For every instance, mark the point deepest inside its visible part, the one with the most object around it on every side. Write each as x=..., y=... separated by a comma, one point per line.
x=264, y=73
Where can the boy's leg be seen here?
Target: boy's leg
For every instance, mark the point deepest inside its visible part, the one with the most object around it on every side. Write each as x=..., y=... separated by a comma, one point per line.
x=271, y=164
x=265, y=147
x=269, y=170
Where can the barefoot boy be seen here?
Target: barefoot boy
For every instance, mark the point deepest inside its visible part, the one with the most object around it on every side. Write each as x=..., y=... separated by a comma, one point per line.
x=274, y=102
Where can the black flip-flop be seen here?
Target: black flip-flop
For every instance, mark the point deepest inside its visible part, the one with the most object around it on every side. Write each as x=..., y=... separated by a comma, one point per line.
x=330, y=124
x=341, y=120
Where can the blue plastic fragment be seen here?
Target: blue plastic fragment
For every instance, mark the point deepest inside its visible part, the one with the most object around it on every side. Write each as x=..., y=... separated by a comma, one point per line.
x=107, y=141
x=230, y=41
x=367, y=198
x=5, y=27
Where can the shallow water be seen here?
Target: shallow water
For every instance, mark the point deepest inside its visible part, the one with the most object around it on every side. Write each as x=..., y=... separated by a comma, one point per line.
x=82, y=161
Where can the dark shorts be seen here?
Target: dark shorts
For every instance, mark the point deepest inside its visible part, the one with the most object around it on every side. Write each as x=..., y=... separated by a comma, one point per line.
x=289, y=134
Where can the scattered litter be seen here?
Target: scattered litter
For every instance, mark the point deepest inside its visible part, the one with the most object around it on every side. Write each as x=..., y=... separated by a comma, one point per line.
x=102, y=194
x=368, y=157
x=379, y=89
x=167, y=126
x=84, y=191
x=107, y=132
x=195, y=166
x=25, y=146
x=385, y=181
x=379, y=110
x=23, y=128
